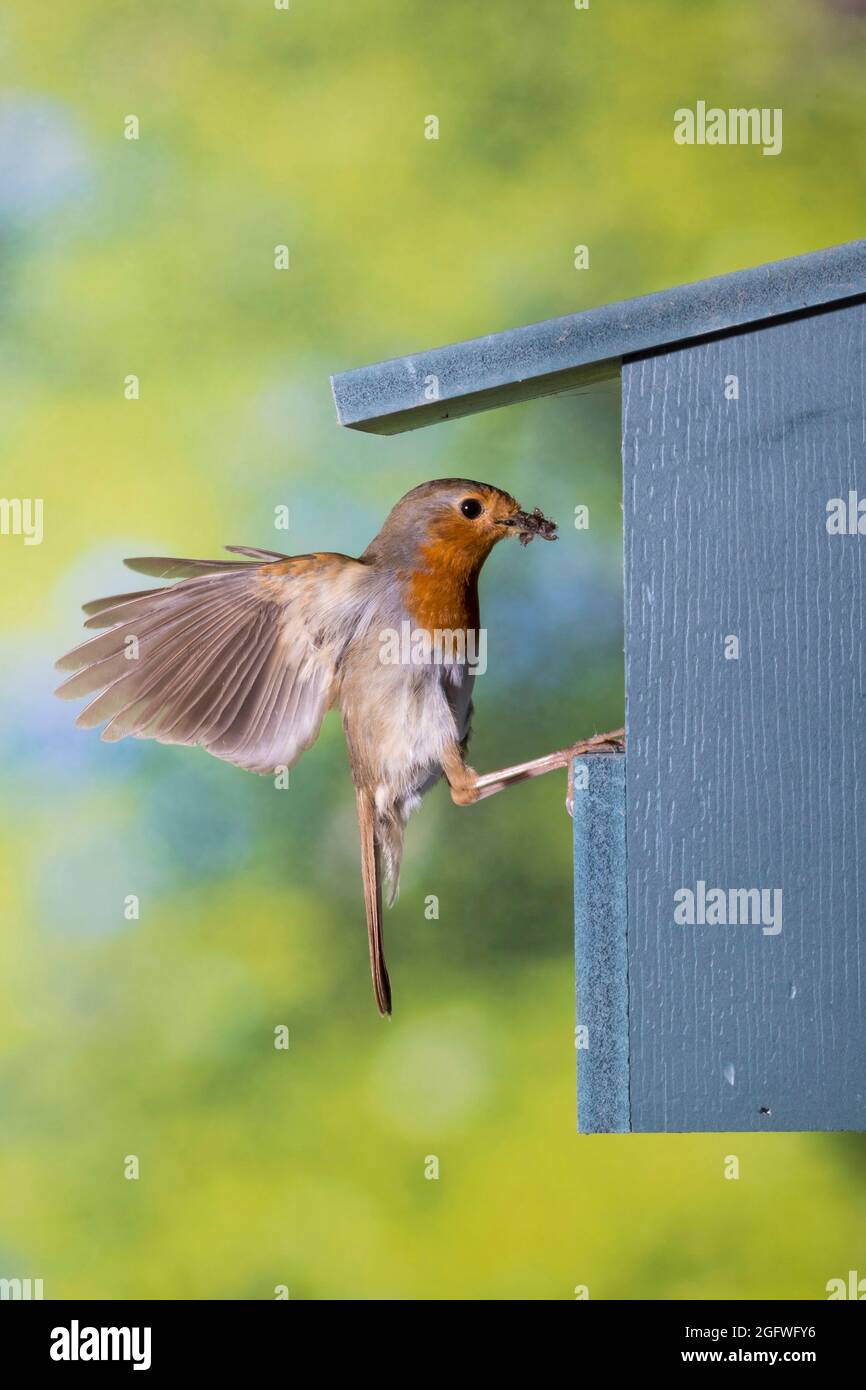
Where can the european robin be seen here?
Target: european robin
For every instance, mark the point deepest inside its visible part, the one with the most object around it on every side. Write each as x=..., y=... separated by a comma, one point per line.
x=244, y=658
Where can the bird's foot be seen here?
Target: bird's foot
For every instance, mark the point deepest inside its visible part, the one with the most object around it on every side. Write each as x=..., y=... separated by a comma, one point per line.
x=464, y=790
x=468, y=787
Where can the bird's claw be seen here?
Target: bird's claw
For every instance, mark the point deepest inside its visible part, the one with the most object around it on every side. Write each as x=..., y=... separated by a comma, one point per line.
x=465, y=792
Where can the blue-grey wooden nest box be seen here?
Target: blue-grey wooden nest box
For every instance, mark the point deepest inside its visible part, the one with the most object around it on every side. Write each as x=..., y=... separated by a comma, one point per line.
x=720, y=866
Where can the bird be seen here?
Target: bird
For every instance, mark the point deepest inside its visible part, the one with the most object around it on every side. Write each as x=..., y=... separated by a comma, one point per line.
x=244, y=657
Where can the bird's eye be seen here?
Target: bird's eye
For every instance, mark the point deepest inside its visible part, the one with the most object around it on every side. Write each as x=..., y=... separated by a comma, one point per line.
x=471, y=508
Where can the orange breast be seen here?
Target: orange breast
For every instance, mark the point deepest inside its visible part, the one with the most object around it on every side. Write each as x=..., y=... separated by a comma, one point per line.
x=444, y=592
x=448, y=606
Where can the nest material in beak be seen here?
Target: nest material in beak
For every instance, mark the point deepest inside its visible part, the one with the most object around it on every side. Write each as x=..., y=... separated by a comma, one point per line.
x=532, y=524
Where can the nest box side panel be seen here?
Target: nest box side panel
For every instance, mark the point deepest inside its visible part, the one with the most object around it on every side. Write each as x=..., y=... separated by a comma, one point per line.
x=746, y=728
x=601, y=945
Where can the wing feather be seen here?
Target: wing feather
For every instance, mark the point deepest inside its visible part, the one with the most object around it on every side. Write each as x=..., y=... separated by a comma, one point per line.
x=238, y=657
x=102, y=605
x=139, y=702
x=111, y=657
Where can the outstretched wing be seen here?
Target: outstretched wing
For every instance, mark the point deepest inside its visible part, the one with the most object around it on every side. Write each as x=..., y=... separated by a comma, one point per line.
x=238, y=657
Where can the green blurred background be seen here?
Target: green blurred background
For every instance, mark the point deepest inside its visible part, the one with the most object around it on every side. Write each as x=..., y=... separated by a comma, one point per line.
x=154, y=1037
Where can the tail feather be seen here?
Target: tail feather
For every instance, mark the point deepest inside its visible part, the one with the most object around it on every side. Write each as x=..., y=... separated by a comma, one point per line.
x=390, y=826
x=371, y=874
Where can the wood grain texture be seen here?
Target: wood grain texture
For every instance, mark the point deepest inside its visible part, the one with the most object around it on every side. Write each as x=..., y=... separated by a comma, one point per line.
x=601, y=945
x=750, y=772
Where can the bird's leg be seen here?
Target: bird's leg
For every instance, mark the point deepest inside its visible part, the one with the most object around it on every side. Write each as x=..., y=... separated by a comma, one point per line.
x=461, y=778
x=468, y=787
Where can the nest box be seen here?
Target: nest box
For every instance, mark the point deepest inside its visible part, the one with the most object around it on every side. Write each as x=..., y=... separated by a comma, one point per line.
x=720, y=865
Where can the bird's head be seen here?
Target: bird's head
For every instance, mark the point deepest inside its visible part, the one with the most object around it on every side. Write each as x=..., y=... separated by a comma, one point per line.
x=453, y=524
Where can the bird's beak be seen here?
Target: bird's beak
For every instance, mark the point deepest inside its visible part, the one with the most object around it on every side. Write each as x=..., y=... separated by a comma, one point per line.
x=528, y=525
